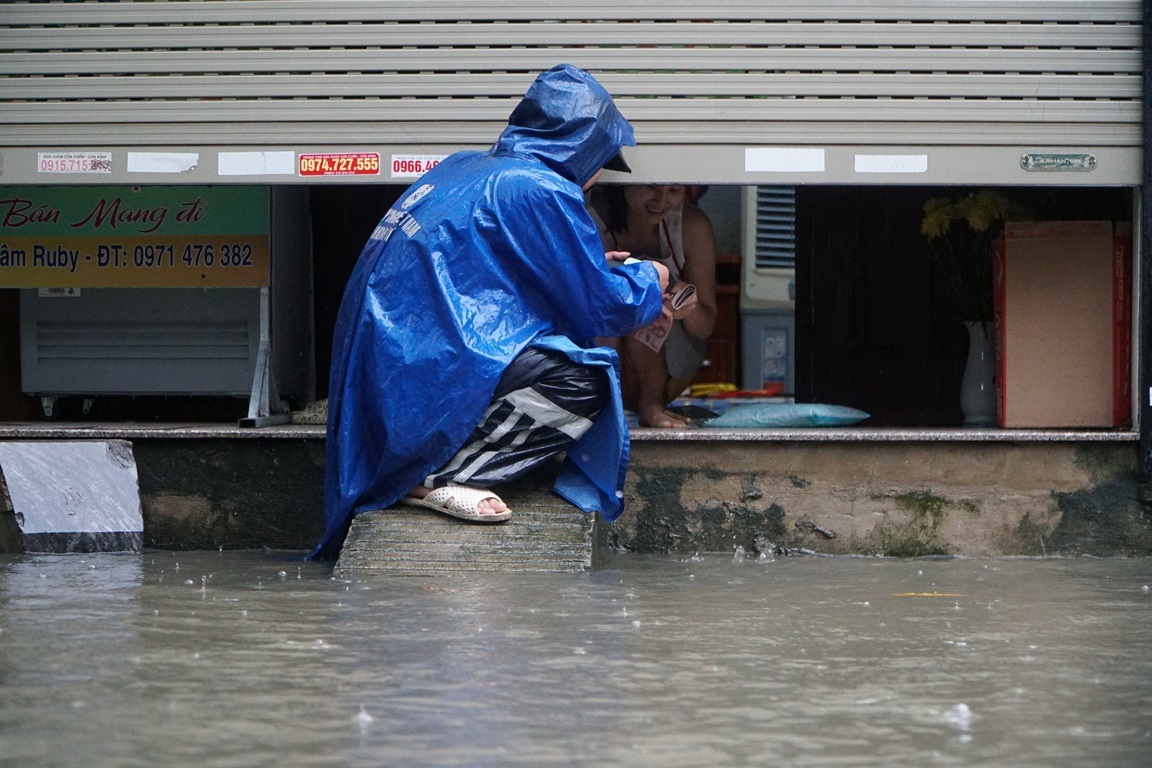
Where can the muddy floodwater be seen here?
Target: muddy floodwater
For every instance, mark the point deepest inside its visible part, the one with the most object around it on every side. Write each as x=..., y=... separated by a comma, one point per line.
x=258, y=659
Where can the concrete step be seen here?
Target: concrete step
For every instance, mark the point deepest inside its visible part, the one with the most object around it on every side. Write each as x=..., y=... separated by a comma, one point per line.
x=545, y=534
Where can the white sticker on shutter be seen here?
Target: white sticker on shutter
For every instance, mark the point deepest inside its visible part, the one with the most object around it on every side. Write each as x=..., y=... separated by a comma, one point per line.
x=891, y=163
x=256, y=164
x=783, y=160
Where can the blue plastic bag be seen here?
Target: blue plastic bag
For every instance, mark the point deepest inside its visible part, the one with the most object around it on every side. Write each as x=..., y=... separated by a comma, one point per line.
x=770, y=415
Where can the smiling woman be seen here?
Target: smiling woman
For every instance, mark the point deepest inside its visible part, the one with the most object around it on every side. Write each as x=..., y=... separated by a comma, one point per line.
x=661, y=223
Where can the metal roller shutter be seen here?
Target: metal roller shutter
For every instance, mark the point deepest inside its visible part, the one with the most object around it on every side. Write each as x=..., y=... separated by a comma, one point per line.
x=918, y=91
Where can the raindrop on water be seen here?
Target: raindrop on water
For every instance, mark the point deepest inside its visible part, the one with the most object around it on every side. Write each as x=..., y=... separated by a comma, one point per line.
x=960, y=716
x=363, y=720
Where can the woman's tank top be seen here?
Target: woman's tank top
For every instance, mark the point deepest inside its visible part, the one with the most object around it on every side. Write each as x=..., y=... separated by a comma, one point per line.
x=683, y=353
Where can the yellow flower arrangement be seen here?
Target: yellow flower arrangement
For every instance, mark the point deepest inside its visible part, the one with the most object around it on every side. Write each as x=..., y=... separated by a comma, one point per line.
x=959, y=232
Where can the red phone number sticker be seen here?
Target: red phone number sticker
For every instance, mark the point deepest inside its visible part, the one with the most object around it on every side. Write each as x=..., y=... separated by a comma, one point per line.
x=413, y=166
x=340, y=164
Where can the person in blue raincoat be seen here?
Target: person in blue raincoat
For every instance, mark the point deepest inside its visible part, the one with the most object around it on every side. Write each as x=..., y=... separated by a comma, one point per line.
x=463, y=353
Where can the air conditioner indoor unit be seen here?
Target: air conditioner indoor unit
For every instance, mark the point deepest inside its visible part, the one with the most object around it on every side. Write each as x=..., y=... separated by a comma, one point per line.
x=768, y=288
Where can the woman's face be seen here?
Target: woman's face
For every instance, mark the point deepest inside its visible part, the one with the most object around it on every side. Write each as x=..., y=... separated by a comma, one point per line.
x=653, y=201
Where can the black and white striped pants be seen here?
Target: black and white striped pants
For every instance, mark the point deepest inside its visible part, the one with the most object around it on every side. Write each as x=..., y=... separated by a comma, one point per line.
x=543, y=404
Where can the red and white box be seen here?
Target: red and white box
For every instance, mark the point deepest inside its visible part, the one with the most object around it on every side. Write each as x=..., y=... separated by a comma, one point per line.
x=1063, y=302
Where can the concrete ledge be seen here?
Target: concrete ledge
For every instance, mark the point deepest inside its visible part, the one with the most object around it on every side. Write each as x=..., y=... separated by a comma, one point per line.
x=881, y=435
x=127, y=431
x=81, y=430
x=894, y=498
x=891, y=492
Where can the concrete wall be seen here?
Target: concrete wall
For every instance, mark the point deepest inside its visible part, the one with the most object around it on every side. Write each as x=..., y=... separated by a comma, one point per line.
x=898, y=499
x=231, y=494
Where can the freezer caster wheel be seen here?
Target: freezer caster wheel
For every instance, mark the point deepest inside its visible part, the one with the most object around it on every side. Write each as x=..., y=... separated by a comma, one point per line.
x=48, y=408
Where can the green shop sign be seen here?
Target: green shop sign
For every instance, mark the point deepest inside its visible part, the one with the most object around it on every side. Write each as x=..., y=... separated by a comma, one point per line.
x=131, y=237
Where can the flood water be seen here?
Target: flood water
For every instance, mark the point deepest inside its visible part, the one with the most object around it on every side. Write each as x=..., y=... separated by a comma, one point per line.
x=258, y=659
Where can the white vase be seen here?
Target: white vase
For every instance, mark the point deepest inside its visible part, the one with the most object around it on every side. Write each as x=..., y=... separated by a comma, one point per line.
x=978, y=387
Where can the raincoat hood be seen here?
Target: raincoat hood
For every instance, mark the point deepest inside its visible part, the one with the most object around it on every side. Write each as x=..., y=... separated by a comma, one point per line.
x=567, y=121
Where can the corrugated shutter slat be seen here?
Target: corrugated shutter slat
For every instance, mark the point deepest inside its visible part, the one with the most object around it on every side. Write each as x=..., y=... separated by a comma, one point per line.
x=405, y=75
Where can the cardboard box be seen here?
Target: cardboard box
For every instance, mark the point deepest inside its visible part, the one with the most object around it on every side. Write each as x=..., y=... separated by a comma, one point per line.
x=1063, y=301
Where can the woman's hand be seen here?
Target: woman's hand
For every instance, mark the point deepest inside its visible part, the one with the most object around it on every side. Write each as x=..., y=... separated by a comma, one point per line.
x=618, y=256
x=680, y=299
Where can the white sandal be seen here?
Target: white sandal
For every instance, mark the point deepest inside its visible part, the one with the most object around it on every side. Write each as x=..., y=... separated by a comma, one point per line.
x=460, y=502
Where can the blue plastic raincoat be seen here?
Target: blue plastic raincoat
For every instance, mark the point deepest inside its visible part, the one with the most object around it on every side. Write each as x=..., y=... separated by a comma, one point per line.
x=486, y=254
